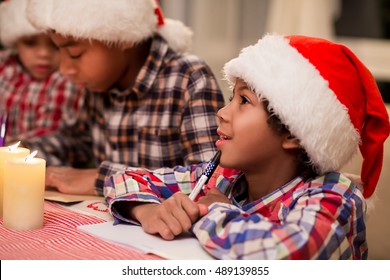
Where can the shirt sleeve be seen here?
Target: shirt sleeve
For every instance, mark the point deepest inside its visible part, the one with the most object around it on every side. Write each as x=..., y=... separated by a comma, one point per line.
x=105, y=170
x=142, y=185
x=315, y=228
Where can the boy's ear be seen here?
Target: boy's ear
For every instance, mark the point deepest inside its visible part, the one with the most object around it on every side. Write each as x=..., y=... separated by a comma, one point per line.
x=290, y=142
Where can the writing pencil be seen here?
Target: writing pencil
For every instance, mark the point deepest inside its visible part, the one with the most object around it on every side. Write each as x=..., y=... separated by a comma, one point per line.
x=213, y=163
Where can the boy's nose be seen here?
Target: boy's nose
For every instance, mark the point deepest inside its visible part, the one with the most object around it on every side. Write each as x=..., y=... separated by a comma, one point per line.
x=43, y=51
x=222, y=113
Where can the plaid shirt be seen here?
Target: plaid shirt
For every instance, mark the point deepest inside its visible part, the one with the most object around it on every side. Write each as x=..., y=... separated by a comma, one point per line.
x=167, y=118
x=35, y=107
x=323, y=218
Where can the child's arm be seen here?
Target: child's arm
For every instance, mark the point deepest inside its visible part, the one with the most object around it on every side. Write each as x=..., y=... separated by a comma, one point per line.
x=158, y=200
x=168, y=219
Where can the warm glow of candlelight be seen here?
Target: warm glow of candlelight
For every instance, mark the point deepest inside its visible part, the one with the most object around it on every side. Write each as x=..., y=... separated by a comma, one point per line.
x=13, y=147
x=30, y=156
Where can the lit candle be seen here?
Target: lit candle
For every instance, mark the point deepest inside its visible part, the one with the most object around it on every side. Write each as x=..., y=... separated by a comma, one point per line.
x=7, y=153
x=24, y=189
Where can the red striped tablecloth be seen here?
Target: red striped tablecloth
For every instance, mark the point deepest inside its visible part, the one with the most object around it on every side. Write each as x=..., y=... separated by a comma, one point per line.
x=60, y=239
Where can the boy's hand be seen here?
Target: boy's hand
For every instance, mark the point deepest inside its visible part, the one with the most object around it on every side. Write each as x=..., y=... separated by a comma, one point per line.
x=70, y=180
x=213, y=195
x=174, y=216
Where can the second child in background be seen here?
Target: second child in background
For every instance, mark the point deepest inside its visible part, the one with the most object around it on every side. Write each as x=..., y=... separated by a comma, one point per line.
x=36, y=97
x=149, y=102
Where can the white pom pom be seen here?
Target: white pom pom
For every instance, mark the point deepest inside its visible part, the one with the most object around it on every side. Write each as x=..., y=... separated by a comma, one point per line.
x=178, y=36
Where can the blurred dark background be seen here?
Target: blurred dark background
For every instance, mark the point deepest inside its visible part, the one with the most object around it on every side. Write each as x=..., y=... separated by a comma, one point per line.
x=369, y=19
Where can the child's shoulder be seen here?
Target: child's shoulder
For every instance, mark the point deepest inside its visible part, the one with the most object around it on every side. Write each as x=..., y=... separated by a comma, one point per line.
x=334, y=182
x=184, y=61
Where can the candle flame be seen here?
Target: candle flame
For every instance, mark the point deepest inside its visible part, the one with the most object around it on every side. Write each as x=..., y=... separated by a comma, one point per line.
x=30, y=156
x=13, y=147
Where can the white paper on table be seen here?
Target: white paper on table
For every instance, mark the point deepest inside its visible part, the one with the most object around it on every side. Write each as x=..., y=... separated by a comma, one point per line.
x=97, y=208
x=181, y=248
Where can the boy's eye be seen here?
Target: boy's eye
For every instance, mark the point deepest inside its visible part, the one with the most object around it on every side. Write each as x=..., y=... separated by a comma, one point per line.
x=73, y=52
x=30, y=42
x=74, y=56
x=244, y=100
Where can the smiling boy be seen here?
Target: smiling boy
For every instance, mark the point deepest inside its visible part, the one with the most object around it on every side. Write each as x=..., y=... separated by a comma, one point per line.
x=301, y=107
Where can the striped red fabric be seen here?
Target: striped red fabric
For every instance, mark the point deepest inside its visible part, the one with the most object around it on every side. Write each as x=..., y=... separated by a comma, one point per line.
x=60, y=239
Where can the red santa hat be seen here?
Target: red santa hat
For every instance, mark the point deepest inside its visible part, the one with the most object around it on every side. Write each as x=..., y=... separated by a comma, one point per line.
x=14, y=23
x=119, y=21
x=325, y=96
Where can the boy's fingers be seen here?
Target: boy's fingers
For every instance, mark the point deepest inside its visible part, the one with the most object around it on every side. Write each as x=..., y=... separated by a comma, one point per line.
x=173, y=225
x=190, y=207
x=181, y=213
x=159, y=227
x=203, y=209
x=183, y=219
x=172, y=215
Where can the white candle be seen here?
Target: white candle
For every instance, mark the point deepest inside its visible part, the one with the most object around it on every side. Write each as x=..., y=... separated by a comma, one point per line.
x=24, y=188
x=8, y=153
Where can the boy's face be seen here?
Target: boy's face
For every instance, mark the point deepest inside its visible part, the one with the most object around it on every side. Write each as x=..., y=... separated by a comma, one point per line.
x=39, y=55
x=90, y=63
x=246, y=140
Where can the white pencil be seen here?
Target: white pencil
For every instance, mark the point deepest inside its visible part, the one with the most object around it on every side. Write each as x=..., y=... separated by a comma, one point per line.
x=213, y=163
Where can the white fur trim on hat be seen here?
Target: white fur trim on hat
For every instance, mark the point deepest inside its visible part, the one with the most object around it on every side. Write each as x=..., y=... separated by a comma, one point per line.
x=14, y=23
x=300, y=97
x=178, y=36
x=119, y=21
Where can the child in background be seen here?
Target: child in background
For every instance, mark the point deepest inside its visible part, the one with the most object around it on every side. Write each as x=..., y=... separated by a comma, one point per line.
x=36, y=97
x=149, y=102
x=301, y=107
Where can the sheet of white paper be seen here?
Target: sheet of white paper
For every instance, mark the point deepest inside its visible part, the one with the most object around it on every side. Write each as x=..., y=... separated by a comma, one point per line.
x=95, y=208
x=182, y=248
